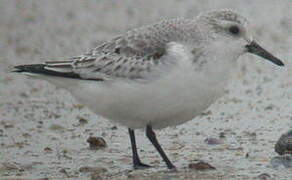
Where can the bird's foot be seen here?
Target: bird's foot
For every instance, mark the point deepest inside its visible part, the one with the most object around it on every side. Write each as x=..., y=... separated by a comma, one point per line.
x=172, y=168
x=139, y=165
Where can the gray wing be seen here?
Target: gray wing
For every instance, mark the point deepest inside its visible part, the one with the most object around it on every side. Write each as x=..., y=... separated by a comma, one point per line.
x=132, y=56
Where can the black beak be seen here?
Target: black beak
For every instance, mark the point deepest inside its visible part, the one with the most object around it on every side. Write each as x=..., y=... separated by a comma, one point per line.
x=255, y=48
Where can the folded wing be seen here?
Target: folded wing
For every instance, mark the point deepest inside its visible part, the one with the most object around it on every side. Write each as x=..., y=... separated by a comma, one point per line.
x=133, y=56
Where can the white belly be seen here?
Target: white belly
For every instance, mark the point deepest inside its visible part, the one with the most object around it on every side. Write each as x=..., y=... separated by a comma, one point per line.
x=171, y=100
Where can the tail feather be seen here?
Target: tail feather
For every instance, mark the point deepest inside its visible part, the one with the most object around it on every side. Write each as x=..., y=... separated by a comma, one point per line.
x=45, y=70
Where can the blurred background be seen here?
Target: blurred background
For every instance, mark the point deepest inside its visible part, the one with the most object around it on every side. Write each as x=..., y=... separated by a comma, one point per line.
x=43, y=129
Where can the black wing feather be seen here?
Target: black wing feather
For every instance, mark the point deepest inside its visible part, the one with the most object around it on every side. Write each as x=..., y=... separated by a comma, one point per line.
x=41, y=69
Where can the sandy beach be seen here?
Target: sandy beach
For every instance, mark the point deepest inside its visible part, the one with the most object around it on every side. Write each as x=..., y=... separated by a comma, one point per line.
x=43, y=129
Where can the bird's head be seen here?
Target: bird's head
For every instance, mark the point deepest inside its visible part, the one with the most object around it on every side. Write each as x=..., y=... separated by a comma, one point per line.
x=229, y=31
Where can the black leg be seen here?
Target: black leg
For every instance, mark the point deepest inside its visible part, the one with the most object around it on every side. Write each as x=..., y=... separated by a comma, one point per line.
x=136, y=160
x=152, y=137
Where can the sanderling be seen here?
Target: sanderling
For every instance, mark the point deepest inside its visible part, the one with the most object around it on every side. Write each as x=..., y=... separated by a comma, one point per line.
x=156, y=76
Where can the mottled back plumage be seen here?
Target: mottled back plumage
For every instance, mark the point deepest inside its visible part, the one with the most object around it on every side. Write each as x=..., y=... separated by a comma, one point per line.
x=136, y=53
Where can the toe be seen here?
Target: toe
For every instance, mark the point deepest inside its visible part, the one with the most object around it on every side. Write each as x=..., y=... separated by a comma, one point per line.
x=141, y=166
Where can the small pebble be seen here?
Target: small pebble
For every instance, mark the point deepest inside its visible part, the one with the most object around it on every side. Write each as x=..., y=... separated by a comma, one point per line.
x=114, y=128
x=201, y=166
x=96, y=143
x=78, y=106
x=269, y=107
x=284, y=144
x=48, y=150
x=82, y=120
x=63, y=171
x=264, y=176
x=7, y=125
x=282, y=161
x=222, y=135
x=23, y=94
x=213, y=141
x=56, y=127
x=88, y=169
x=26, y=135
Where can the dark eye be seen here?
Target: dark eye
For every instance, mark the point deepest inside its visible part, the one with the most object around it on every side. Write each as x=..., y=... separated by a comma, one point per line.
x=234, y=30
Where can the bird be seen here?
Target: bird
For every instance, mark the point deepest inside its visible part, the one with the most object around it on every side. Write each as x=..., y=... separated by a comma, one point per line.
x=157, y=75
